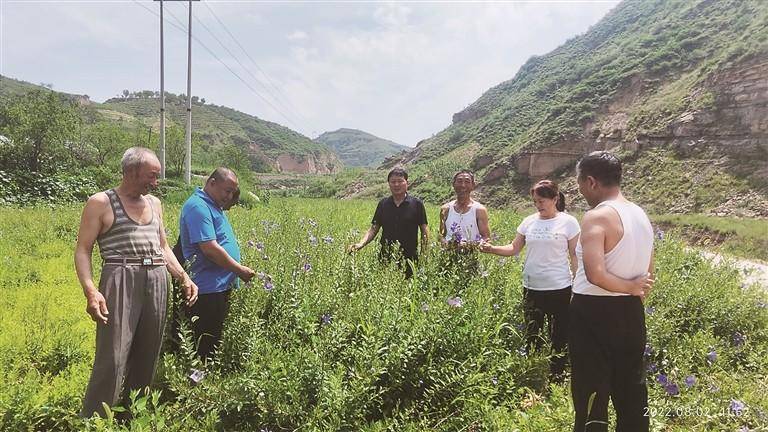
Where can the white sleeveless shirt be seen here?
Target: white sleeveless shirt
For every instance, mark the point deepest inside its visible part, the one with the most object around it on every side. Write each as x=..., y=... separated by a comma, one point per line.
x=462, y=226
x=631, y=256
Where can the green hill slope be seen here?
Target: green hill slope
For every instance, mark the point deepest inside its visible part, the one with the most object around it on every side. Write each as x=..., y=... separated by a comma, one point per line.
x=267, y=143
x=269, y=146
x=359, y=149
x=687, y=77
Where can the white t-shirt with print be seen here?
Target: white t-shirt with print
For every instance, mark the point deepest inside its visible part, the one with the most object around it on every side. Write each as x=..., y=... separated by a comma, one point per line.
x=546, y=257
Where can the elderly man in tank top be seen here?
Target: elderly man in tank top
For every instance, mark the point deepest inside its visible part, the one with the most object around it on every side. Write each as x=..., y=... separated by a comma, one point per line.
x=463, y=220
x=607, y=335
x=129, y=306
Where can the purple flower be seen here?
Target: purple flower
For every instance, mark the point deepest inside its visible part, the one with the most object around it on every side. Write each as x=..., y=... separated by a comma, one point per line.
x=737, y=406
x=268, y=285
x=424, y=307
x=495, y=236
x=520, y=326
x=522, y=351
x=652, y=368
x=261, y=275
x=650, y=310
x=484, y=274
x=454, y=227
x=312, y=240
x=738, y=339
x=312, y=222
x=260, y=246
x=326, y=319
x=690, y=381
x=478, y=237
x=648, y=350
x=307, y=267
x=662, y=379
x=328, y=239
x=672, y=389
x=496, y=306
x=494, y=381
x=455, y=302
x=660, y=234
x=761, y=304
x=251, y=243
x=711, y=356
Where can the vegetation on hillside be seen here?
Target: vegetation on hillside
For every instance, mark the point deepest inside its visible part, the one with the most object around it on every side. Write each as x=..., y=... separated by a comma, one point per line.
x=554, y=95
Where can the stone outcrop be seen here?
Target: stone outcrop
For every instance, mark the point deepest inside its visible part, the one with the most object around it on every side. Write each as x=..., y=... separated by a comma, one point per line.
x=308, y=164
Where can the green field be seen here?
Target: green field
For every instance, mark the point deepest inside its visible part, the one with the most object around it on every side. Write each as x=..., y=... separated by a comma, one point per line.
x=348, y=345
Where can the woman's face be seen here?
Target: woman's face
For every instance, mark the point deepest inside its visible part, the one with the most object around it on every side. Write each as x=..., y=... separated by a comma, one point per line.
x=544, y=205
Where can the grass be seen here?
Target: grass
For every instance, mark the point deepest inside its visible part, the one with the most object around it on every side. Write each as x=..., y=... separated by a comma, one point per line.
x=390, y=355
x=746, y=238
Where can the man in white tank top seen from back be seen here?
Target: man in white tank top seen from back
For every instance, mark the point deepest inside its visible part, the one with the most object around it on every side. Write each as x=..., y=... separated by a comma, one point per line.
x=463, y=220
x=607, y=334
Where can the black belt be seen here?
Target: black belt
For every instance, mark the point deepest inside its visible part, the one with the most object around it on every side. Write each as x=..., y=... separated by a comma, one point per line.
x=142, y=261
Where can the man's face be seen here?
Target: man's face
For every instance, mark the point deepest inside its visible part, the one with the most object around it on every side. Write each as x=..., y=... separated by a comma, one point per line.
x=146, y=175
x=398, y=185
x=588, y=189
x=222, y=191
x=463, y=184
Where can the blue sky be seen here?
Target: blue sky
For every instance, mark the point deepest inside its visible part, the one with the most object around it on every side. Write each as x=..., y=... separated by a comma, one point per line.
x=398, y=70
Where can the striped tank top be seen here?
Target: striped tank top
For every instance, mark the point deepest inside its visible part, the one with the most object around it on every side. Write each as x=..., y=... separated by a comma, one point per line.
x=126, y=238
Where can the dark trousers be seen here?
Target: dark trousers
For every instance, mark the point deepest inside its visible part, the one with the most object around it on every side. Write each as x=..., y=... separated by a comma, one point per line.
x=606, y=343
x=551, y=305
x=211, y=310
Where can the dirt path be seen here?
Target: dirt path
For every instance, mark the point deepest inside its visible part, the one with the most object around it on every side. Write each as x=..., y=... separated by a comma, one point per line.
x=754, y=272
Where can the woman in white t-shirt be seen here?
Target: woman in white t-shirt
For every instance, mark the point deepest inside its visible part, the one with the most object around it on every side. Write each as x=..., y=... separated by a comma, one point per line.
x=550, y=235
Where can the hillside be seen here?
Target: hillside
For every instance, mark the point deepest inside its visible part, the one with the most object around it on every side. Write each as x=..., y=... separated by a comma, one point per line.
x=678, y=85
x=268, y=145
x=359, y=149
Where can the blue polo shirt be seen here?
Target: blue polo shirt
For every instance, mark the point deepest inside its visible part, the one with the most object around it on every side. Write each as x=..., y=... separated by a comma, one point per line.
x=202, y=220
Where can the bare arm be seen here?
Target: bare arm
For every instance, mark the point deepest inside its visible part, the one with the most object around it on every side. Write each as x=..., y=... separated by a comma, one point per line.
x=443, y=217
x=90, y=227
x=482, y=223
x=572, y=254
x=369, y=235
x=214, y=252
x=593, y=246
x=511, y=249
x=424, y=238
x=171, y=263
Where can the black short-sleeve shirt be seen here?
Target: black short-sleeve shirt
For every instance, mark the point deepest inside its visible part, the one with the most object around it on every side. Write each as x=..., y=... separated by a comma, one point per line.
x=400, y=223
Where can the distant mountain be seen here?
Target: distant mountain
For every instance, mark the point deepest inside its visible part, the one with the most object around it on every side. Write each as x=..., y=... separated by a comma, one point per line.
x=359, y=149
x=269, y=146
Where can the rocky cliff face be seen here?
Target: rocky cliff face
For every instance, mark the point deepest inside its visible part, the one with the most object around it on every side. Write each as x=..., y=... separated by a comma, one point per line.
x=325, y=163
x=733, y=123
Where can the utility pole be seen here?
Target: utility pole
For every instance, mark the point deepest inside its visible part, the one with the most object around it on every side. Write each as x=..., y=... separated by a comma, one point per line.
x=188, y=147
x=188, y=152
x=162, y=98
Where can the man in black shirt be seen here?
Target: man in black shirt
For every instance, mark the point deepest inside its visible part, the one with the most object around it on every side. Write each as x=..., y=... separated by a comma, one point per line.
x=401, y=216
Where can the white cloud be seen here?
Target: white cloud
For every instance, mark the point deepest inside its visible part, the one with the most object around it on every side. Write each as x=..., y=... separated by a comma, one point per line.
x=297, y=36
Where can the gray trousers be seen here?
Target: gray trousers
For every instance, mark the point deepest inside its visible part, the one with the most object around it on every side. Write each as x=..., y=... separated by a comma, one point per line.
x=128, y=346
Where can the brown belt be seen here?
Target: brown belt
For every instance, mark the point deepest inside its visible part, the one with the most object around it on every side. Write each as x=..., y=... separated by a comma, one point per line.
x=142, y=261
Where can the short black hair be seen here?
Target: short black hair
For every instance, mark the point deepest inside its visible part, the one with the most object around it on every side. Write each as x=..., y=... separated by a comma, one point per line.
x=464, y=171
x=221, y=173
x=397, y=172
x=603, y=166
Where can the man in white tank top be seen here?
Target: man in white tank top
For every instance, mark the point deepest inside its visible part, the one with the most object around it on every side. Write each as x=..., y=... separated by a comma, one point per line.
x=607, y=323
x=464, y=220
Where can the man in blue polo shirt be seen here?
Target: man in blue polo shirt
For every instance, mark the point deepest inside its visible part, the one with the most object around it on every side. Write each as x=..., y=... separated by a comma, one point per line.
x=209, y=244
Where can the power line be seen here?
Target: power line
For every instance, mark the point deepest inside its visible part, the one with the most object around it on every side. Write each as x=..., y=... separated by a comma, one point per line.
x=268, y=79
x=181, y=28
x=276, y=99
